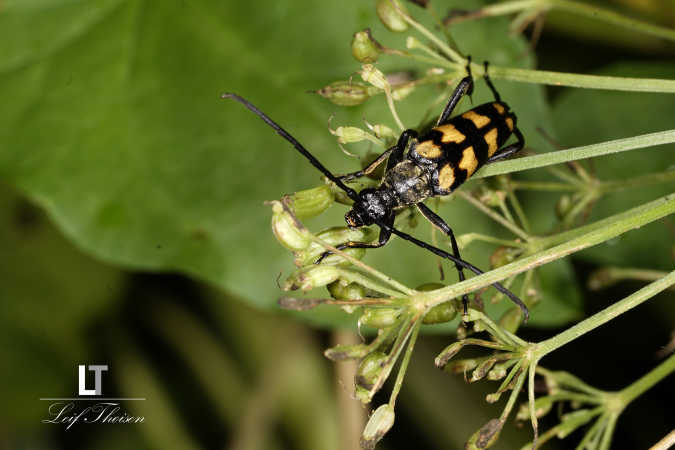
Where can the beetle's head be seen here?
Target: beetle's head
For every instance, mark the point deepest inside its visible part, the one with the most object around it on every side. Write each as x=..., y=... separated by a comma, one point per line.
x=367, y=210
x=356, y=217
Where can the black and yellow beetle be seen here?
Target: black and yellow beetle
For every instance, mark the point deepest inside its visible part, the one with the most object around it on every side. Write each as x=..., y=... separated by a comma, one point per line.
x=436, y=163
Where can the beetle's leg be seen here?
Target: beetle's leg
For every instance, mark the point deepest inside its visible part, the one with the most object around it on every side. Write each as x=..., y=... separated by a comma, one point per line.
x=509, y=149
x=385, y=234
x=489, y=83
x=465, y=87
x=466, y=265
x=399, y=149
x=439, y=223
x=372, y=166
x=394, y=153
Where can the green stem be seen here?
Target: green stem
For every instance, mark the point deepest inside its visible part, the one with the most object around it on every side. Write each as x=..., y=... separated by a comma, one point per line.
x=356, y=277
x=530, y=396
x=608, y=433
x=609, y=186
x=544, y=186
x=404, y=363
x=376, y=273
x=646, y=382
x=604, y=316
x=544, y=242
x=450, y=53
x=513, y=396
x=504, y=8
x=495, y=216
x=579, y=80
x=466, y=239
x=643, y=180
x=629, y=220
x=519, y=210
x=573, y=154
x=605, y=15
x=578, y=8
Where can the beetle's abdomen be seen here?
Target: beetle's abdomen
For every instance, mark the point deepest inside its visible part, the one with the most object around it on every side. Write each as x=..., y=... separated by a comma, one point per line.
x=453, y=151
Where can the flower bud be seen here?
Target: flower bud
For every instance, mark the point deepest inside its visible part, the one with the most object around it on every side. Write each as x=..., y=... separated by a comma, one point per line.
x=497, y=373
x=573, y=420
x=312, y=202
x=311, y=277
x=371, y=74
x=335, y=236
x=442, y=313
x=390, y=17
x=486, y=436
x=349, y=135
x=461, y=366
x=382, y=131
x=542, y=406
x=378, y=425
x=286, y=229
x=600, y=279
x=503, y=256
x=492, y=198
x=368, y=372
x=493, y=398
x=345, y=352
x=482, y=369
x=343, y=291
x=379, y=317
x=401, y=92
x=365, y=49
x=563, y=206
x=347, y=93
x=447, y=354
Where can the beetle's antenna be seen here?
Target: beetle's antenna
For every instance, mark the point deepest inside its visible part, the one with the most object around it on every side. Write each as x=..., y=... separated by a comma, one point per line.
x=286, y=135
x=461, y=262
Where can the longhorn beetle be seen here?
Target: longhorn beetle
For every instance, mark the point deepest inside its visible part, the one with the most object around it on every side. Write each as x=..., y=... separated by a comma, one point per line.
x=437, y=163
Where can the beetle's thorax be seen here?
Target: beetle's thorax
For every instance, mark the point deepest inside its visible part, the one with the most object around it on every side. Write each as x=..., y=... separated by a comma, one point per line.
x=408, y=183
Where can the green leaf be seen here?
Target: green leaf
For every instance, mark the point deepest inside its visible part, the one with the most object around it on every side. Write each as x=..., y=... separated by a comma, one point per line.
x=113, y=124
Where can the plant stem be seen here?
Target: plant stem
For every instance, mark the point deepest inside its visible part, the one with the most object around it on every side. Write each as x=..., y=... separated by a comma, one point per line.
x=573, y=154
x=450, y=53
x=376, y=273
x=404, y=363
x=544, y=186
x=492, y=214
x=616, y=225
x=604, y=316
x=645, y=383
x=605, y=15
x=466, y=239
x=544, y=242
x=578, y=8
x=579, y=80
x=643, y=180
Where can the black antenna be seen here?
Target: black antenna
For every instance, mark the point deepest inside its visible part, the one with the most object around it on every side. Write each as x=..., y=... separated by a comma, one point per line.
x=286, y=135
